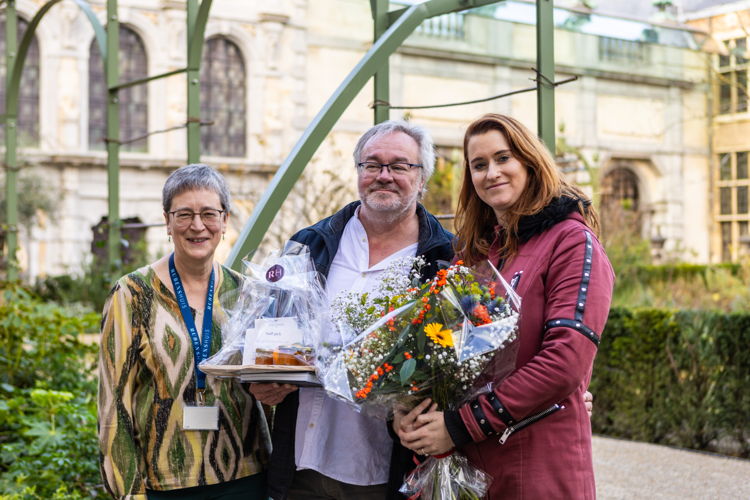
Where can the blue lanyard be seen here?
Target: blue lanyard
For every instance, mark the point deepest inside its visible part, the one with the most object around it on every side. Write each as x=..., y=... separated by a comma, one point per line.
x=200, y=352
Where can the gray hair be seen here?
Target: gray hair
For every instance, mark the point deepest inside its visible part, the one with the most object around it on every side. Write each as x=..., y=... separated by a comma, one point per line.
x=416, y=132
x=191, y=177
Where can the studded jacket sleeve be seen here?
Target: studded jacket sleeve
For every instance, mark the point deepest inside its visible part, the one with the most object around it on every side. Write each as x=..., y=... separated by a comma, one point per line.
x=562, y=320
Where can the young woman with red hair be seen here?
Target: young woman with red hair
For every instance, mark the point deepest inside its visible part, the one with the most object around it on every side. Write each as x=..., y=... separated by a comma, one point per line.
x=531, y=433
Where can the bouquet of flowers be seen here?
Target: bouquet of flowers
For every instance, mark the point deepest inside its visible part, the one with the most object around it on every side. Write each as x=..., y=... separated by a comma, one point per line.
x=436, y=340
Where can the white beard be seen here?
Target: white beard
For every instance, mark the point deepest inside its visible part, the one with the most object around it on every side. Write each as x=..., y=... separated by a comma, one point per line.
x=388, y=207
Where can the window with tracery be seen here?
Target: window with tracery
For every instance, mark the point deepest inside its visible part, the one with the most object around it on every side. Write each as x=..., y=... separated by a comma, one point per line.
x=28, y=95
x=133, y=100
x=223, y=99
x=733, y=211
x=732, y=77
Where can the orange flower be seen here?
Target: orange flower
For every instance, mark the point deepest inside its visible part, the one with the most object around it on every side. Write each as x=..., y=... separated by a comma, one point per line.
x=481, y=313
x=407, y=355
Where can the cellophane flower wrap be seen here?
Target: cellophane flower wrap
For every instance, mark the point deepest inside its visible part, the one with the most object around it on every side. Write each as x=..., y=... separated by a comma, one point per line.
x=284, y=284
x=448, y=339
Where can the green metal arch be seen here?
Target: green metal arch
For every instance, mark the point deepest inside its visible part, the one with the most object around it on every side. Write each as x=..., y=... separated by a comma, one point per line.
x=402, y=23
x=289, y=171
x=11, y=98
x=195, y=49
x=13, y=84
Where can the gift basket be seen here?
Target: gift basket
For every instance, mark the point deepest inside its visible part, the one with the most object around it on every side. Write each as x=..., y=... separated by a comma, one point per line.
x=449, y=339
x=275, y=321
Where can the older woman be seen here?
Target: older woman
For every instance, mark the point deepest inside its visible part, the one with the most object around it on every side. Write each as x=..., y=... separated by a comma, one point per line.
x=531, y=433
x=165, y=430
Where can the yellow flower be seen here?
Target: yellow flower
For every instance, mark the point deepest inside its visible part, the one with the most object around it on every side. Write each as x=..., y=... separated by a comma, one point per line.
x=438, y=335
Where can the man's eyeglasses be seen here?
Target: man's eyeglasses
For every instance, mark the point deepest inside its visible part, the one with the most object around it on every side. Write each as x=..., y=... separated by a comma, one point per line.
x=210, y=217
x=373, y=168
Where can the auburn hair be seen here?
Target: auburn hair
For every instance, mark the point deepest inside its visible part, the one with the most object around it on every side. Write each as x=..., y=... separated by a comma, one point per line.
x=476, y=221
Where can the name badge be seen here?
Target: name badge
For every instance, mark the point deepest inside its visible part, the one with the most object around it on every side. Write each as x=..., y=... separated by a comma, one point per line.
x=200, y=418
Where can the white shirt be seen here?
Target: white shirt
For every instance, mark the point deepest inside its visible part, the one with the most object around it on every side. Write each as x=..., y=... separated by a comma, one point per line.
x=331, y=437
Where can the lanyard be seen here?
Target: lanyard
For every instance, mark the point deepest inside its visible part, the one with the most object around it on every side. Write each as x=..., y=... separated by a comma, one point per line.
x=200, y=352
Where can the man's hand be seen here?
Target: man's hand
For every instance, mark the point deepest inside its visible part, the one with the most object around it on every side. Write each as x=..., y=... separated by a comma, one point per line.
x=271, y=394
x=588, y=402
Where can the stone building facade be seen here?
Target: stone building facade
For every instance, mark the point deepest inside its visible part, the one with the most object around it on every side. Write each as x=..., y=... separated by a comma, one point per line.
x=638, y=114
x=729, y=182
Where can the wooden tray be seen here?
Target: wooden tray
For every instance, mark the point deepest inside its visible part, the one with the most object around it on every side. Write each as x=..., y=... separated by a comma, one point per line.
x=239, y=370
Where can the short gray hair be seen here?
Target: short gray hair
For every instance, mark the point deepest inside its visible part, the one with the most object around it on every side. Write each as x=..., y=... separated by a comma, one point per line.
x=193, y=177
x=416, y=132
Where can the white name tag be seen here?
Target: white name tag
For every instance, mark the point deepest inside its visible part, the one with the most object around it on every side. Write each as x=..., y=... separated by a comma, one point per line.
x=200, y=418
x=273, y=332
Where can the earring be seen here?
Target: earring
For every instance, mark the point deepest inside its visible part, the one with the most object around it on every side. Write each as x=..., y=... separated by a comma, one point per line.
x=223, y=236
x=169, y=238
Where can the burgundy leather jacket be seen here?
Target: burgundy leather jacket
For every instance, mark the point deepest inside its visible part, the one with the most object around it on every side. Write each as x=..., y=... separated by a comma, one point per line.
x=565, y=281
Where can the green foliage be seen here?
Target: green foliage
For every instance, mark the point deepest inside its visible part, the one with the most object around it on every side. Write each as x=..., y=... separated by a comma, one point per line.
x=89, y=289
x=442, y=186
x=48, y=444
x=671, y=284
x=41, y=341
x=721, y=287
x=675, y=377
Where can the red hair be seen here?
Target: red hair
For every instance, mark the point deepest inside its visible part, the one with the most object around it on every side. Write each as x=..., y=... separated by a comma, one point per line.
x=475, y=220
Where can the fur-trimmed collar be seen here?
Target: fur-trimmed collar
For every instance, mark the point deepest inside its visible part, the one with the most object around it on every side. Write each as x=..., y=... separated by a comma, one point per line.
x=556, y=211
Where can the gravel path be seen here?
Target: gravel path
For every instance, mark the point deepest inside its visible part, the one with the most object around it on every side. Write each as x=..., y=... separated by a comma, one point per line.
x=630, y=470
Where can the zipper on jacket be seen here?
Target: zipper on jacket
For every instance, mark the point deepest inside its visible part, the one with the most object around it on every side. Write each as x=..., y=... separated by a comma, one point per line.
x=528, y=421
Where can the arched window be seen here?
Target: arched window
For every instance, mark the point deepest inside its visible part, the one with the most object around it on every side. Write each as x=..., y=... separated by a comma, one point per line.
x=620, y=202
x=133, y=100
x=620, y=187
x=223, y=98
x=28, y=95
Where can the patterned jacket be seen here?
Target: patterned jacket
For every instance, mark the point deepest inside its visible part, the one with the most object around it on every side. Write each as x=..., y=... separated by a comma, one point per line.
x=146, y=377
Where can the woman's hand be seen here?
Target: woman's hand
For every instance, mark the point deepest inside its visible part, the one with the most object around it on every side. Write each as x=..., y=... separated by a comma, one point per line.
x=404, y=422
x=429, y=435
x=588, y=402
x=271, y=394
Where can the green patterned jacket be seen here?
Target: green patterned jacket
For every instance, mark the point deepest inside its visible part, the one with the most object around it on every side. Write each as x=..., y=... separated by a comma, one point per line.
x=146, y=378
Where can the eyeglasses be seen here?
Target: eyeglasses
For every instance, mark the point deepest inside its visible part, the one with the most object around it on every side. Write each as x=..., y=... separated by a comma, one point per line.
x=210, y=217
x=399, y=168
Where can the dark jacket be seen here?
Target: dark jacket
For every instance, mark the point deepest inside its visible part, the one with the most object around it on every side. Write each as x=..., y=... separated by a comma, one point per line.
x=565, y=281
x=434, y=244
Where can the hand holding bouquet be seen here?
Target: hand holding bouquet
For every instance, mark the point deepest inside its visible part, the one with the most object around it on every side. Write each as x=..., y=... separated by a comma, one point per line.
x=432, y=341
x=436, y=341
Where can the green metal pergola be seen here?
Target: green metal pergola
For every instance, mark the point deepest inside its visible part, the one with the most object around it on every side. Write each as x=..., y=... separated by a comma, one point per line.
x=391, y=28
x=109, y=41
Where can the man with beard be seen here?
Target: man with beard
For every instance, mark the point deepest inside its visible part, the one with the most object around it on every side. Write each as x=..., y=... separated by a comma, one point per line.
x=322, y=448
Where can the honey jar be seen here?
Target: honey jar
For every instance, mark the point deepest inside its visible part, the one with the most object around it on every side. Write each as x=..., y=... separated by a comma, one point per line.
x=286, y=355
x=263, y=356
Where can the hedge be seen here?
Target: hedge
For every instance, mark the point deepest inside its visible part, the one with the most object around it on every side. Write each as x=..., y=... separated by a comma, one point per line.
x=680, y=378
